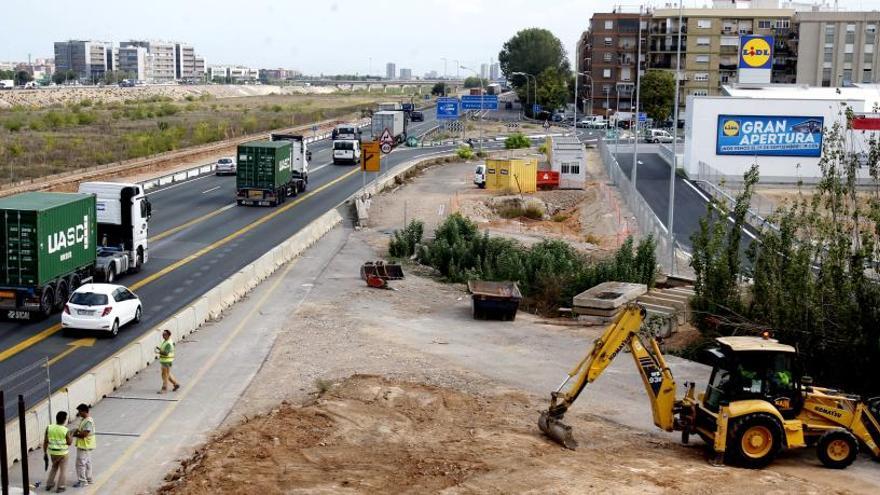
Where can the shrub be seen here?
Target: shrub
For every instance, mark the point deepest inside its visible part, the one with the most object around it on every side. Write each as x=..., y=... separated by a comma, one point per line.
x=403, y=243
x=86, y=118
x=166, y=109
x=465, y=152
x=559, y=217
x=517, y=140
x=14, y=124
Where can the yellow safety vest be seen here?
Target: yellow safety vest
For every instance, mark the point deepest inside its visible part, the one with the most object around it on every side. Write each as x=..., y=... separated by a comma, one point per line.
x=89, y=442
x=57, y=435
x=168, y=348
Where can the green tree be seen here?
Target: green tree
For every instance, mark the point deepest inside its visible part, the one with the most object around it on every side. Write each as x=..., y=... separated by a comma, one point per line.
x=534, y=51
x=552, y=89
x=658, y=94
x=22, y=77
x=475, y=82
x=439, y=89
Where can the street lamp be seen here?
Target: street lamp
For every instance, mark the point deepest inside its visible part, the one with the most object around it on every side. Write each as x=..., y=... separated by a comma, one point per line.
x=670, y=220
x=482, y=97
x=576, y=81
x=527, y=76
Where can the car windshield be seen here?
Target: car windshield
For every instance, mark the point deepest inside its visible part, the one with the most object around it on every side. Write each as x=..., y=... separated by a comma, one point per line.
x=88, y=299
x=343, y=145
x=224, y=161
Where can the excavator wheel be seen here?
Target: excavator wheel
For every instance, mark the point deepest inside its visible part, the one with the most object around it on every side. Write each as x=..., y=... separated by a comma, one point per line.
x=837, y=449
x=557, y=431
x=754, y=440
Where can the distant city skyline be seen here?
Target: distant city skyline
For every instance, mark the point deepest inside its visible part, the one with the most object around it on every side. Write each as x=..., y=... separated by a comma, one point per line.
x=336, y=37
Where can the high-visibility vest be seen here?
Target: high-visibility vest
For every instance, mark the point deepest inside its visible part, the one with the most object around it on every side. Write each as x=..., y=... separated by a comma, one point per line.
x=88, y=443
x=168, y=348
x=57, y=435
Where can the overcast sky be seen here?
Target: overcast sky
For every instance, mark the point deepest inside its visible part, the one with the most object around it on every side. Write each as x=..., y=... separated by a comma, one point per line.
x=316, y=36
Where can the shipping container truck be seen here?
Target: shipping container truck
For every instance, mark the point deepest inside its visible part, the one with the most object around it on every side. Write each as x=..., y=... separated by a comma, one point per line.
x=395, y=122
x=123, y=215
x=263, y=176
x=47, y=249
x=300, y=156
x=389, y=106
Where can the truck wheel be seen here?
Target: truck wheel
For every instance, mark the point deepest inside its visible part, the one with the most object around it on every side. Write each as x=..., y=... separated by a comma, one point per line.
x=755, y=440
x=111, y=274
x=63, y=292
x=47, y=302
x=139, y=262
x=837, y=449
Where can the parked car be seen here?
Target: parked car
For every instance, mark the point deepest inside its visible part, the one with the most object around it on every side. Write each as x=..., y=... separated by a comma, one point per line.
x=657, y=136
x=102, y=307
x=225, y=165
x=416, y=116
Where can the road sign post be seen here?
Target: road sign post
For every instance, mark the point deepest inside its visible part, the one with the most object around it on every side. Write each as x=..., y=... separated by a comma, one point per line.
x=448, y=108
x=371, y=161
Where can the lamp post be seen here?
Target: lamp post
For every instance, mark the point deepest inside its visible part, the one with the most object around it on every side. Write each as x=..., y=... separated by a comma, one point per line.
x=590, y=111
x=527, y=76
x=671, y=218
x=482, y=96
x=635, y=166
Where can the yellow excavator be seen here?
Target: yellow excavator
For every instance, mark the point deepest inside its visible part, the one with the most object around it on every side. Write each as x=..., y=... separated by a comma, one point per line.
x=756, y=404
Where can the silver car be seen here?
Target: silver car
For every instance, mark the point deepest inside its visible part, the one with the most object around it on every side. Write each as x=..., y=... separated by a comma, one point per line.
x=225, y=165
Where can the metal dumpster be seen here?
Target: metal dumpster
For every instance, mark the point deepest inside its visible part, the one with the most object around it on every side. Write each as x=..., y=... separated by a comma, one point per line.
x=378, y=273
x=494, y=300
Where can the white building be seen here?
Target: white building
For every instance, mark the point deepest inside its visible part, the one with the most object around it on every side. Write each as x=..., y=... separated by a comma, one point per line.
x=779, y=127
x=568, y=157
x=390, y=70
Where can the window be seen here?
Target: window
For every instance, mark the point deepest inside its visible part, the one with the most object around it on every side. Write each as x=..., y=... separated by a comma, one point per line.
x=764, y=24
x=570, y=168
x=829, y=33
x=782, y=23
x=850, y=28
x=866, y=75
x=700, y=92
x=701, y=76
x=703, y=41
x=702, y=59
x=868, y=58
x=606, y=73
x=609, y=24
x=606, y=89
x=704, y=23
x=869, y=48
x=850, y=33
x=848, y=57
x=848, y=48
x=826, y=77
x=829, y=53
x=606, y=56
x=607, y=41
x=870, y=33
x=730, y=41
x=847, y=75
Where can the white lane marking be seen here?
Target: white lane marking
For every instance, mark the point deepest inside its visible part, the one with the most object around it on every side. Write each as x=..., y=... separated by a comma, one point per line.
x=184, y=183
x=707, y=200
x=209, y=190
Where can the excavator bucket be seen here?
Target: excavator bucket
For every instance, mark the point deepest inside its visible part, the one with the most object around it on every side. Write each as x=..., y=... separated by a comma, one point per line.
x=557, y=431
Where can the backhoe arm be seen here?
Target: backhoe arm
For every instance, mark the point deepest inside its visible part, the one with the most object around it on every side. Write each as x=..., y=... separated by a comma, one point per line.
x=657, y=379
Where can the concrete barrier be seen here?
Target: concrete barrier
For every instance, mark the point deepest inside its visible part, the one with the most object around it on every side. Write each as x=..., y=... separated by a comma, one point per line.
x=108, y=375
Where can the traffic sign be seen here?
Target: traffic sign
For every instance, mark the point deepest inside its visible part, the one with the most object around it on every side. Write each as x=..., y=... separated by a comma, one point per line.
x=478, y=102
x=408, y=107
x=371, y=160
x=643, y=117
x=447, y=108
x=386, y=148
x=314, y=128
x=386, y=138
x=536, y=109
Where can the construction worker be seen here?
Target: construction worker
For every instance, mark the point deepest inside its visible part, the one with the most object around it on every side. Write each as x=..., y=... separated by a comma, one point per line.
x=56, y=444
x=85, y=444
x=166, y=359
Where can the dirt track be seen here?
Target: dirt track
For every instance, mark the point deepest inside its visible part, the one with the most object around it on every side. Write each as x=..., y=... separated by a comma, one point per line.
x=373, y=435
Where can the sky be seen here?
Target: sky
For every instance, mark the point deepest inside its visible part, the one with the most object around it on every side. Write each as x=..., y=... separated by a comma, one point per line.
x=315, y=37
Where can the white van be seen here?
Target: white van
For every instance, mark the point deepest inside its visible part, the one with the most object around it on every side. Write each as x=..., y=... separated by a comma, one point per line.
x=480, y=176
x=657, y=136
x=346, y=151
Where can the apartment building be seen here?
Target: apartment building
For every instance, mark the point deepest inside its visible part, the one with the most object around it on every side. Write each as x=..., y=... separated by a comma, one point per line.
x=405, y=74
x=710, y=44
x=232, y=73
x=390, y=70
x=199, y=67
x=494, y=72
x=88, y=59
x=132, y=60
x=837, y=48
x=184, y=62
x=608, y=54
x=161, y=59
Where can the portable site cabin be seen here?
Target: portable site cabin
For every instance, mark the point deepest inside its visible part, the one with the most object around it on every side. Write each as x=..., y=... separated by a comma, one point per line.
x=568, y=157
x=517, y=175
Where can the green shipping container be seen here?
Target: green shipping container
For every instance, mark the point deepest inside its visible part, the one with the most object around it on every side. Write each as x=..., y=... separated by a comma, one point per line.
x=44, y=236
x=263, y=165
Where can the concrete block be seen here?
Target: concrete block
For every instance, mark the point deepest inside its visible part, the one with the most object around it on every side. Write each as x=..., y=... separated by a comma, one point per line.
x=81, y=391
x=107, y=377
x=148, y=344
x=227, y=292
x=170, y=324
x=277, y=256
x=202, y=311
x=12, y=441
x=215, y=302
x=609, y=295
x=186, y=322
x=130, y=360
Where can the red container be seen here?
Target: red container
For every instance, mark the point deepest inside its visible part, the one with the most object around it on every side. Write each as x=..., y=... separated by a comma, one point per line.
x=547, y=179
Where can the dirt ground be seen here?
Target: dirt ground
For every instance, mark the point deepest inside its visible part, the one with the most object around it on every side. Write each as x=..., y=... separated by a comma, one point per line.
x=368, y=434
x=591, y=219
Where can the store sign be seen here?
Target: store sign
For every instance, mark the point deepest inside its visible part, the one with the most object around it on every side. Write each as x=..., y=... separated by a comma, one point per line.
x=769, y=135
x=755, y=59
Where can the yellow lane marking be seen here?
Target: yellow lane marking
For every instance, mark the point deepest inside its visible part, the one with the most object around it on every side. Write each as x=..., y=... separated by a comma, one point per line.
x=76, y=344
x=172, y=406
x=43, y=335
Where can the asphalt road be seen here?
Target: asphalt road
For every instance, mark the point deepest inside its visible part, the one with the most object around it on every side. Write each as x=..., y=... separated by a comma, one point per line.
x=199, y=237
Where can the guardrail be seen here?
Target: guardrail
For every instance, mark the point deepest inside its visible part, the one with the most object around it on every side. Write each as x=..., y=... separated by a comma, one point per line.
x=668, y=155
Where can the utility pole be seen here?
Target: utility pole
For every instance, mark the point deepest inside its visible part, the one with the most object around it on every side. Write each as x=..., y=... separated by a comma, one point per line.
x=669, y=221
x=635, y=169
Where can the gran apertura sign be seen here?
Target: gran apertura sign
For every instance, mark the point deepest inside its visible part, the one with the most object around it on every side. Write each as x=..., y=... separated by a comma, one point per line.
x=769, y=135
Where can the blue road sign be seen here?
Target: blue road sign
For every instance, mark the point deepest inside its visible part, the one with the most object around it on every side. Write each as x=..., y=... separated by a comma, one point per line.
x=408, y=107
x=536, y=109
x=643, y=117
x=477, y=102
x=447, y=108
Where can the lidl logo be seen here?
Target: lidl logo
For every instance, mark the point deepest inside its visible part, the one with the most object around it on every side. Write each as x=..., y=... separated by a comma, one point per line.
x=731, y=128
x=756, y=52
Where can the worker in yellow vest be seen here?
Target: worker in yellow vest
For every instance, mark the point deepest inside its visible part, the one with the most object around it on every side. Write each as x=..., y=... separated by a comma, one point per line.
x=166, y=359
x=56, y=444
x=85, y=444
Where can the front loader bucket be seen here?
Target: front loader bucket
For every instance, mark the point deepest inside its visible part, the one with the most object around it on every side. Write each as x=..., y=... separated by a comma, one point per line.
x=557, y=431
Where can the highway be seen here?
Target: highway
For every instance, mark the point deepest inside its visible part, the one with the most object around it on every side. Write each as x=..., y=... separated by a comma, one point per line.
x=198, y=238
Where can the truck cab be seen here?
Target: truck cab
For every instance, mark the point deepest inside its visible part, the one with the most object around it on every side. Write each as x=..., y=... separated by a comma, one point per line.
x=123, y=214
x=346, y=151
x=300, y=157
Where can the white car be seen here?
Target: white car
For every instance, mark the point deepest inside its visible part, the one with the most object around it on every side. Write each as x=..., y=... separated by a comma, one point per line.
x=225, y=165
x=103, y=307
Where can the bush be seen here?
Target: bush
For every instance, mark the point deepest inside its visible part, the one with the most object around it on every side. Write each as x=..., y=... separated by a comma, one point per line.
x=465, y=152
x=403, y=243
x=86, y=118
x=529, y=211
x=166, y=109
x=14, y=124
x=517, y=140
